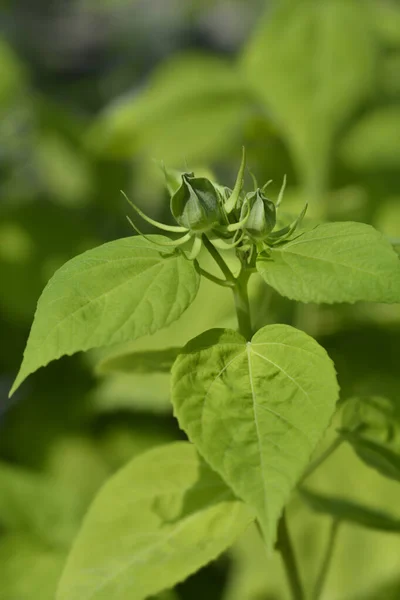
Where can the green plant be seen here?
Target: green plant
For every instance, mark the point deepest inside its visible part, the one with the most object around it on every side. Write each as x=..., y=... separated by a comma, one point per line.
x=254, y=405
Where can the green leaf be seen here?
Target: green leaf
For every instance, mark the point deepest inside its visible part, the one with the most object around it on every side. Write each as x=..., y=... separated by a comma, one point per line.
x=29, y=570
x=326, y=51
x=352, y=512
x=193, y=105
x=374, y=416
x=12, y=75
x=387, y=22
x=159, y=519
x=34, y=504
x=373, y=143
x=150, y=361
x=135, y=392
x=334, y=262
x=111, y=294
x=375, y=455
x=255, y=410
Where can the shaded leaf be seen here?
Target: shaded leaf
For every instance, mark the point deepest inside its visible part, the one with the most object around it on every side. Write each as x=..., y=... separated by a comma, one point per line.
x=34, y=504
x=352, y=512
x=375, y=455
x=28, y=569
x=12, y=74
x=334, y=262
x=255, y=410
x=114, y=293
x=158, y=520
x=143, y=392
x=374, y=416
x=159, y=361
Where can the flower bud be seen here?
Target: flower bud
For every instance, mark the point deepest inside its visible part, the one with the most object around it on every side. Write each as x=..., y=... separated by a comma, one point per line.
x=196, y=205
x=262, y=218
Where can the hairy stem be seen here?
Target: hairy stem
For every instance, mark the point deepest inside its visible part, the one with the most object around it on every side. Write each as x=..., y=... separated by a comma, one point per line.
x=321, y=579
x=285, y=547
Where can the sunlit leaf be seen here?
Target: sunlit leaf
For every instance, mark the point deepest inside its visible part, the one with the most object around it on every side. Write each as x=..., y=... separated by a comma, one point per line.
x=373, y=143
x=312, y=63
x=192, y=106
x=334, y=262
x=255, y=410
x=117, y=292
x=158, y=520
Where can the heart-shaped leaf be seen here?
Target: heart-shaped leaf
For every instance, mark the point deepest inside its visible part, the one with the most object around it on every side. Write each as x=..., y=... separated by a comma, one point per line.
x=255, y=410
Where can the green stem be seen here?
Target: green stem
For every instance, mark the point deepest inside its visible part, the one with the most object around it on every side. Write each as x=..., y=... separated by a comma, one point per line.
x=212, y=277
x=321, y=579
x=242, y=305
x=285, y=547
x=322, y=458
x=218, y=259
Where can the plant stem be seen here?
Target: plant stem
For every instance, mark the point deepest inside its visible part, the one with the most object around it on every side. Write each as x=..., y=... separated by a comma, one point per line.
x=321, y=579
x=242, y=305
x=213, y=278
x=218, y=259
x=285, y=547
x=322, y=458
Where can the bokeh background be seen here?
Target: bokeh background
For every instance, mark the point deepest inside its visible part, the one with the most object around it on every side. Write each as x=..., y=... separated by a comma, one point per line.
x=92, y=94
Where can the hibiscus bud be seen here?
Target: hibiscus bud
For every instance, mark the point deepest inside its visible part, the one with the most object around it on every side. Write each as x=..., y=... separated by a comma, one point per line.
x=196, y=205
x=262, y=218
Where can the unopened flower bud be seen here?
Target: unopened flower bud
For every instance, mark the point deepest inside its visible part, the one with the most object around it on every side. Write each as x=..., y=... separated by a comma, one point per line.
x=196, y=204
x=262, y=218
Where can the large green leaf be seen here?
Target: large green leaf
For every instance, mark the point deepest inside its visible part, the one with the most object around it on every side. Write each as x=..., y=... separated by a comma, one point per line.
x=312, y=63
x=117, y=292
x=192, y=106
x=334, y=262
x=159, y=519
x=374, y=142
x=255, y=410
x=29, y=570
x=37, y=505
x=352, y=512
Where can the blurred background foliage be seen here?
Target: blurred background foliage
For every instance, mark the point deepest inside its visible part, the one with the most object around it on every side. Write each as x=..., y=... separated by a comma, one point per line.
x=92, y=93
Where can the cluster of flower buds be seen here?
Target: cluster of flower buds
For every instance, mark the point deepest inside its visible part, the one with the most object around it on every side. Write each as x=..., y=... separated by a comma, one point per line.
x=229, y=218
